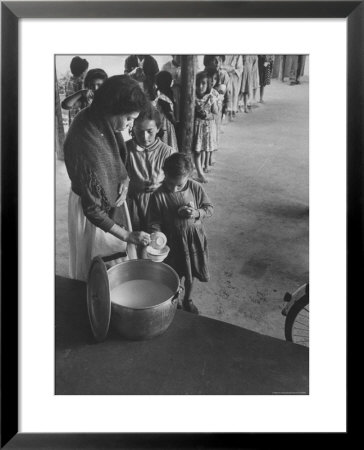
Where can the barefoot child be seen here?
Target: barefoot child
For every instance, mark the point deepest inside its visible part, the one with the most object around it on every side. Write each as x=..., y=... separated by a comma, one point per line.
x=178, y=208
x=204, y=139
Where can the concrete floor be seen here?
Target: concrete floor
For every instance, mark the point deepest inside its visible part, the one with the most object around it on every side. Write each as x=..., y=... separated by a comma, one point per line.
x=258, y=235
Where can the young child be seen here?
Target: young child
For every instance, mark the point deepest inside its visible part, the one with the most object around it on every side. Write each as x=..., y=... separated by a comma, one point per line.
x=82, y=98
x=218, y=91
x=204, y=139
x=144, y=163
x=214, y=63
x=78, y=68
x=178, y=208
x=165, y=104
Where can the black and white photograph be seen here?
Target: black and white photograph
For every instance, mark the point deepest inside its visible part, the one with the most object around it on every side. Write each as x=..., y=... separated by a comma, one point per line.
x=181, y=224
x=178, y=178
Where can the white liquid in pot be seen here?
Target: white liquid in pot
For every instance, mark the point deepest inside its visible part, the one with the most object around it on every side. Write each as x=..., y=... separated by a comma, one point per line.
x=140, y=293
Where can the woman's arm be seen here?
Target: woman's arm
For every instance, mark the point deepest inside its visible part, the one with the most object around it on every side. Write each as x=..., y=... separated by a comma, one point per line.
x=133, y=237
x=96, y=214
x=72, y=100
x=95, y=204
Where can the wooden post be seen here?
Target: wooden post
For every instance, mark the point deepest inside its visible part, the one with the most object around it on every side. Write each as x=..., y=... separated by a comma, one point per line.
x=59, y=130
x=187, y=107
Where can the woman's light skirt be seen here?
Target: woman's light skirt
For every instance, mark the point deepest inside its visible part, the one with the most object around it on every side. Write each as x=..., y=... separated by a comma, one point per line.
x=87, y=241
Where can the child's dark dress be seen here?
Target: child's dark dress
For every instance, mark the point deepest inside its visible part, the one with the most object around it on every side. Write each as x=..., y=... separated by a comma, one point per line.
x=186, y=237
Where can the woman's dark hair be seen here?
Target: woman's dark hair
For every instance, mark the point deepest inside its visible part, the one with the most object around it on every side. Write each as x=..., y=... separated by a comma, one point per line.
x=163, y=80
x=177, y=165
x=78, y=66
x=119, y=94
x=204, y=75
x=150, y=112
x=94, y=74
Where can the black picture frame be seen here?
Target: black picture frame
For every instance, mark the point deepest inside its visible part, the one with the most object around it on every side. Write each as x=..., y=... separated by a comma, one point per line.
x=11, y=12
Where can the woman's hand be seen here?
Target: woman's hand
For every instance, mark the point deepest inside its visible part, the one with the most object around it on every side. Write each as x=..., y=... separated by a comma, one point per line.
x=138, y=238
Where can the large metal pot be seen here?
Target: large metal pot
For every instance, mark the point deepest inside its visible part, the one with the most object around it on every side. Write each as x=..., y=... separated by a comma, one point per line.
x=149, y=321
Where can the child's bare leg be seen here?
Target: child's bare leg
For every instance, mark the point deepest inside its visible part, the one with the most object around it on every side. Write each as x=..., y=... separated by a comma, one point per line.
x=245, y=98
x=261, y=94
x=205, y=163
x=212, y=158
x=197, y=158
x=241, y=102
x=187, y=303
x=254, y=94
x=188, y=289
x=203, y=160
x=209, y=161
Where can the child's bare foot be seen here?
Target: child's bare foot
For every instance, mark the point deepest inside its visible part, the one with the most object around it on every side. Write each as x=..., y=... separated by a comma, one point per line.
x=189, y=306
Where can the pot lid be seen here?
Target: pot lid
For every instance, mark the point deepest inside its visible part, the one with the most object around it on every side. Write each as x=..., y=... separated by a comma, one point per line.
x=98, y=299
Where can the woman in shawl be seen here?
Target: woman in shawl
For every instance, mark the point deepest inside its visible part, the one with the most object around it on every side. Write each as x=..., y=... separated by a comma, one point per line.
x=95, y=153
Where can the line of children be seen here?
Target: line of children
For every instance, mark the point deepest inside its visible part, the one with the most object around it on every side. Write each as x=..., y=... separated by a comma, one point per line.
x=163, y=197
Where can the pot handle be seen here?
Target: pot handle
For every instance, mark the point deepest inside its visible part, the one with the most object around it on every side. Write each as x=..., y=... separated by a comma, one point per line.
x=176, y=295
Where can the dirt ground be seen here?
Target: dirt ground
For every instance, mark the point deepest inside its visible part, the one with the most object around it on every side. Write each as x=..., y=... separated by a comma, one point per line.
x=258, y=235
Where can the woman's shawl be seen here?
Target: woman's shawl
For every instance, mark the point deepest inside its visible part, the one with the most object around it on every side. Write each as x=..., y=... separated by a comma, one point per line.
x=94, y=165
